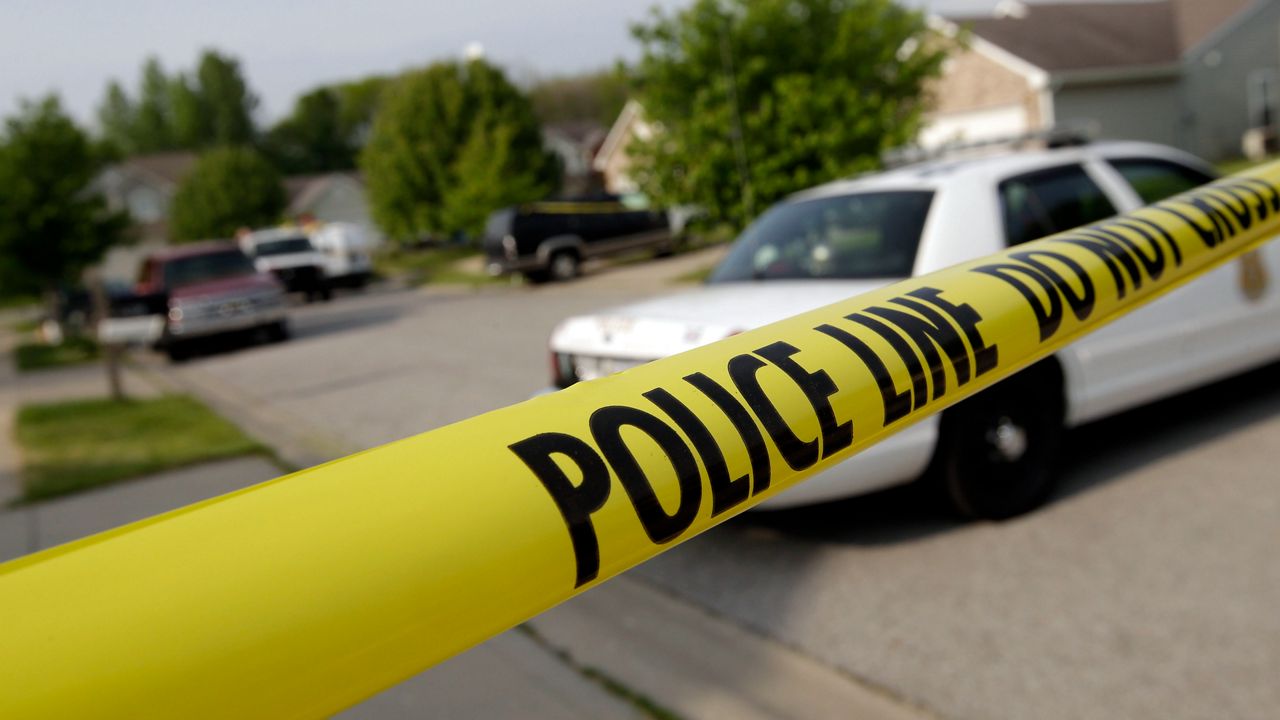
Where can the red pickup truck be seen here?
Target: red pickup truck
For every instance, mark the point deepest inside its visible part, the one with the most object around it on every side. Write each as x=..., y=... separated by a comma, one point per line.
x=211, y=289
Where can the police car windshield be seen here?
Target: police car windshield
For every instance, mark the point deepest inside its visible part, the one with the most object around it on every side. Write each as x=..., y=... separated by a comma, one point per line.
x=283, y=246
x=203, y=268
x=865, y=235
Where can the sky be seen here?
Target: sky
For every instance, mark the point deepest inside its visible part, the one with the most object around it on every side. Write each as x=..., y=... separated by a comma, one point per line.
x=74, y=47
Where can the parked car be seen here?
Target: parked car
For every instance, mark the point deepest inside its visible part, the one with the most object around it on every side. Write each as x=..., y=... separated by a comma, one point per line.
x=347, y=249
x=995, y=455
x=288, y=254
x=211, y=289
x=549, y=240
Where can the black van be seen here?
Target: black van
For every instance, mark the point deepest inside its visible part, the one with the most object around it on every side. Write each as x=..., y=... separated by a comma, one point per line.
x=549, y=240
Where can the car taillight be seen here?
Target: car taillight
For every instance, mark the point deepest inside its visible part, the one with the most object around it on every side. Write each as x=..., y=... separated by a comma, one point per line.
x=562, y=372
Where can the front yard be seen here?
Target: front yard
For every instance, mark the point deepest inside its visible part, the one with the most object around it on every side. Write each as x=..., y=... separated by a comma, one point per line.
x=72, y=446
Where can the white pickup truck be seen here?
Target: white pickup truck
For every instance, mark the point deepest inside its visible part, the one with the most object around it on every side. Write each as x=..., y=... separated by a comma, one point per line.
x=997, y=454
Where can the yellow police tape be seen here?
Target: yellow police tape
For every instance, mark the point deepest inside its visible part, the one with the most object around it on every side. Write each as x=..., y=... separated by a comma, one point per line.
x=303, y=595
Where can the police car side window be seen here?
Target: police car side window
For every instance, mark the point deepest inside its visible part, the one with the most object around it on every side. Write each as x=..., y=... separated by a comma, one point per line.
x=1050, y=201
x=1154, y=179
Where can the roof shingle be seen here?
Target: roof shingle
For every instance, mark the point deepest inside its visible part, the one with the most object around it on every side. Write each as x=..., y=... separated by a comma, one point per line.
x=1086, y=36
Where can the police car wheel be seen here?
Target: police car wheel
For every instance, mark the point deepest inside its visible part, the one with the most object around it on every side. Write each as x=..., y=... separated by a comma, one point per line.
x=999, y=452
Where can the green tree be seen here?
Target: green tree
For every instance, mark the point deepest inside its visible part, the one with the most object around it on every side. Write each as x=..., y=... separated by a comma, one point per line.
x=191, y=111
x=359, y=101
x=116, y=118
x=228, y=188
x=593, y=96
x=191, y=126
x=437, y=132
x=755, y=99
x=153, y=119
x=312, y=138
x=326, y=128
x=51, y=226
x=226, y=98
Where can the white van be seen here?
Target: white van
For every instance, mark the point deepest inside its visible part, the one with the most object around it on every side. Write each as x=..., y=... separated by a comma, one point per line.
x=348, y=252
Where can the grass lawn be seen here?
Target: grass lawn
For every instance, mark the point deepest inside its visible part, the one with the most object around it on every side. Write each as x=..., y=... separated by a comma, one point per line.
x=73, y=446
x=433, y=265
x=38, y=356
x=1230, y=167
x=25, y=326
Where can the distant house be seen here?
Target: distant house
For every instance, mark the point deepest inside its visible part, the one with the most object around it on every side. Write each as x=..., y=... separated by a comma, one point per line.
x=614, y=159
x=575, y=144
x=143, y=185
x=1196, y=74
x=328, y=197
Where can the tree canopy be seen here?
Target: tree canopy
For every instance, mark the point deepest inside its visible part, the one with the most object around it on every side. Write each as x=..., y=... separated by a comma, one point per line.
x=450, y=144
x=591, y=96
x=229, y=188
x=327, y=127
x=51, y=225
x=755, y=99
x=186, y=111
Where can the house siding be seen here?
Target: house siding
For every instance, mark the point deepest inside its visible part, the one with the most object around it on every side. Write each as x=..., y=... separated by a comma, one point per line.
x=973, y=89
x=973, y=81
x=1216, y=94
x=1149, y=110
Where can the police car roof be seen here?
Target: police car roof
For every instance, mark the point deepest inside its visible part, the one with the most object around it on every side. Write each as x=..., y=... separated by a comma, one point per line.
x=937, y=174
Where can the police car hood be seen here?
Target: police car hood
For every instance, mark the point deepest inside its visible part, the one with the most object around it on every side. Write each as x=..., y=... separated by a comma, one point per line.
x=665, y=326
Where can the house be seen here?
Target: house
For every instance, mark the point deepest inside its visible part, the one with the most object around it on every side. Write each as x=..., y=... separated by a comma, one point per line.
x=614, y=160
x=143, y=185
x=329, y=197
x=1196, y=74
x=575, y=145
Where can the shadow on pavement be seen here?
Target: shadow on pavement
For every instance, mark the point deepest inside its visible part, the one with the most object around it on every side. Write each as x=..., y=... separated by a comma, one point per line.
x=1103, y=450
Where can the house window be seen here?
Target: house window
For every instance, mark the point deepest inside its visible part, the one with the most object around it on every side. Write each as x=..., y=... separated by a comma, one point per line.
x=144, y=205
x=1050, y=201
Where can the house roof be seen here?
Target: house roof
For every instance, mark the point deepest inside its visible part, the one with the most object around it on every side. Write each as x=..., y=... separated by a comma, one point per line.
x=580, y=132
x=1072, y=36
x=632, y=115
x=1196, y=20
x=166, y=167
x=301, y=191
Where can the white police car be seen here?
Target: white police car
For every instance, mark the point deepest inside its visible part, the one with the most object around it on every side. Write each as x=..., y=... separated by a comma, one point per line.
x=997, y=454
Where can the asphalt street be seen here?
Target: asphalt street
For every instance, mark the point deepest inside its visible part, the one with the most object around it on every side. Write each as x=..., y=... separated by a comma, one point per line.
x=1148, y=588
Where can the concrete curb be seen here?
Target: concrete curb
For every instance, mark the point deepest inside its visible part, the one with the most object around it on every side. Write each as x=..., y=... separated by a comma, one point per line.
x=697, y=665
x=293, y=439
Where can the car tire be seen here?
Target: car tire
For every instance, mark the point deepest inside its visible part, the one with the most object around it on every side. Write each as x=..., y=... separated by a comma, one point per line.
x=563, y=265
x=278, y=332
x=999, y=452
x=178, y=351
